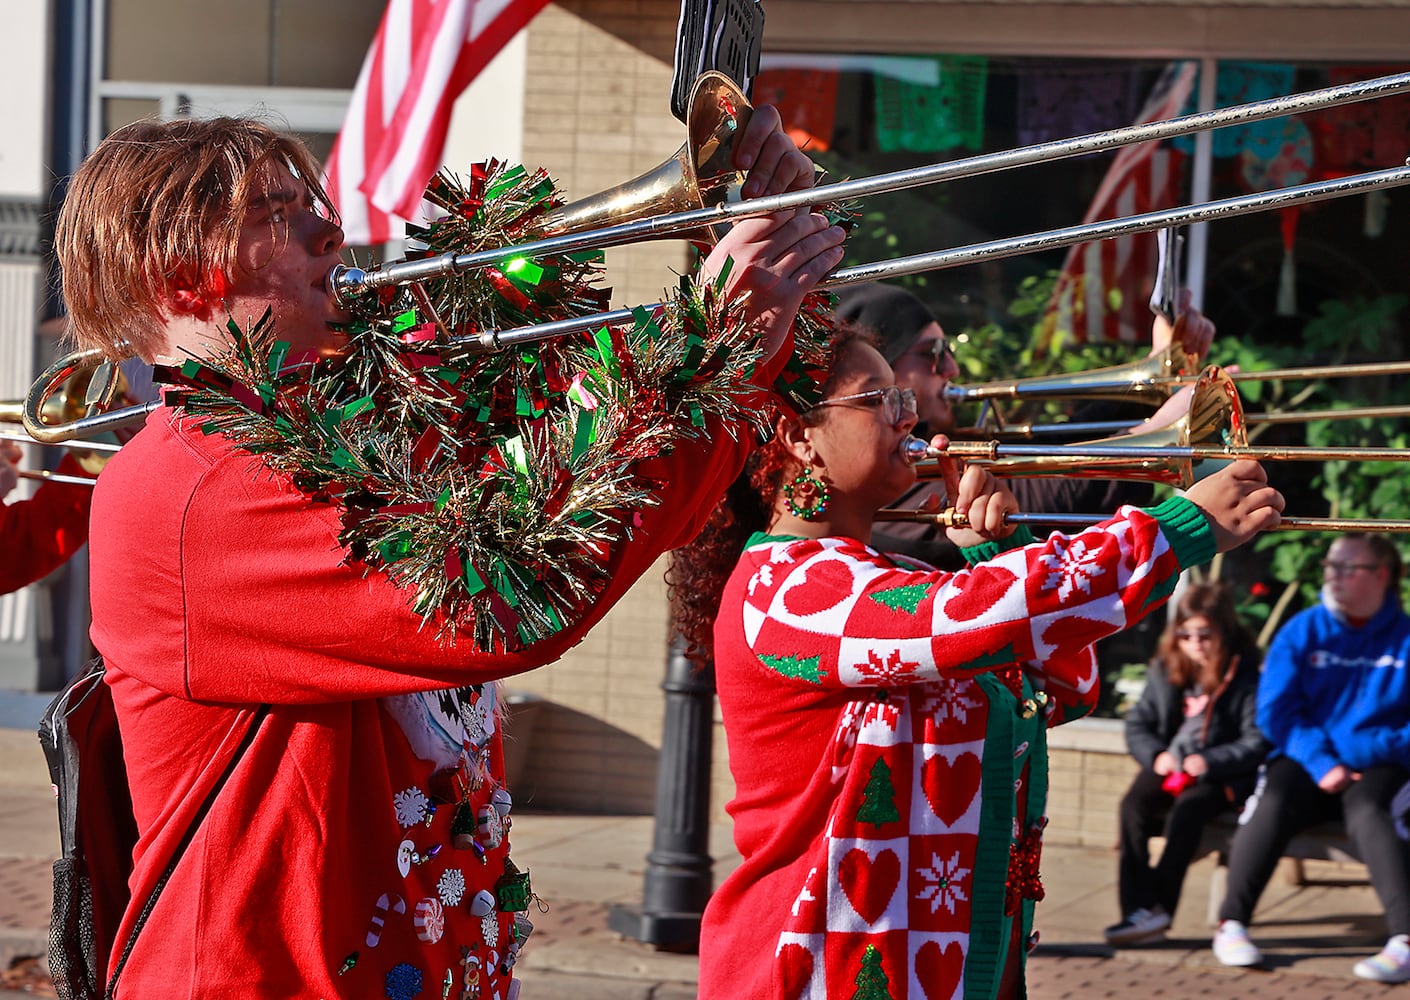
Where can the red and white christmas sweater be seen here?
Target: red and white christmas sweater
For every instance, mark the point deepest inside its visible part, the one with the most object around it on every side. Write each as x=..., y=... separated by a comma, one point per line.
x=886, y=728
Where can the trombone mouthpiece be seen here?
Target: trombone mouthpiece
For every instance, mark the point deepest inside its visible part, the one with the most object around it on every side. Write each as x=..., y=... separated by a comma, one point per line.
x=346, y=284
x=913, y=449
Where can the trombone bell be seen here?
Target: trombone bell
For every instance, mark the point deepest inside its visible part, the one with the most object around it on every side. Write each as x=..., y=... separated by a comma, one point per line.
x=701, y=174
x=1215, y=418
x=1152, y=379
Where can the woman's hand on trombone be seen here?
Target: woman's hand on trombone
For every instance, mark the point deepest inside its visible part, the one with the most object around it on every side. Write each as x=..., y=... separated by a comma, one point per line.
x=780, y=258
x=1238, y=503
x=976, y=494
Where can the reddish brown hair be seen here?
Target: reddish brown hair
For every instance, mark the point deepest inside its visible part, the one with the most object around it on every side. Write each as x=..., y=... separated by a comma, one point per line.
x=698, y=571
x=158, y=206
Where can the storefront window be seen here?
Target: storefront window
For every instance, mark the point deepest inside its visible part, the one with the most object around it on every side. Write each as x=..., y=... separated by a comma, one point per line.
x=1265, y=275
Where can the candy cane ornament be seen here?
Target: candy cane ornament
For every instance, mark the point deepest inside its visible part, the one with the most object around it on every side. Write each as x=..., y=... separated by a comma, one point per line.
x=388, y=902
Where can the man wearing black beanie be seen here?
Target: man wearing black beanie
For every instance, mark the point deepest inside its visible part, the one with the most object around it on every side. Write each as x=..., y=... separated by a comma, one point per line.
x=914, y=344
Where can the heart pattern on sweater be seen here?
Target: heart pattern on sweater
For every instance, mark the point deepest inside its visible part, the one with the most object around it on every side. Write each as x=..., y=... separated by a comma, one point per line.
x=950, y=786
x=986, y=586
x=939, y=970
x=869, y=882
x=796, y=967
x=825, y=584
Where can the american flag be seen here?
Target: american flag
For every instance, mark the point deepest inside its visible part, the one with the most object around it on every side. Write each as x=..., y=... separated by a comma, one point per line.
x=1102, y=290
x=426, y=52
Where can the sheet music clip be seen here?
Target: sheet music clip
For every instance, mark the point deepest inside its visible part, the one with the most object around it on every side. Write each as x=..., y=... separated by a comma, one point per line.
x=722, y=35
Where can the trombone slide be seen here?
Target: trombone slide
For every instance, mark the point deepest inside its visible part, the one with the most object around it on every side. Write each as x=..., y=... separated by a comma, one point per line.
x=951, y=518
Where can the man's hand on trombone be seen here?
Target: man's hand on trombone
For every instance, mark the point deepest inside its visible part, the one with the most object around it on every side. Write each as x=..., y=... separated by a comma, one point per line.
x=780, y=258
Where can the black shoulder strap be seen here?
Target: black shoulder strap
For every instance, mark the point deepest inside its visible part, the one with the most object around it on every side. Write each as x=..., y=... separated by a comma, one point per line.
x=186, y=839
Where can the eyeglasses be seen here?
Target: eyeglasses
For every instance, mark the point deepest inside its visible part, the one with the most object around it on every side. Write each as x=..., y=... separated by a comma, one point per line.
x=1204, y=635
x=1346, y=569
x=894, y=400
x=937, y=352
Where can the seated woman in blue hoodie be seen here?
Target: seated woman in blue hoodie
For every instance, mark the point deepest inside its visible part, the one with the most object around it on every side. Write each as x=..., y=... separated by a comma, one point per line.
x=1334, y=700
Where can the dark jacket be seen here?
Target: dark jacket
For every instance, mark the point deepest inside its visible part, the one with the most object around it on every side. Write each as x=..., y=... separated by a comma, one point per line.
x=1234, y=745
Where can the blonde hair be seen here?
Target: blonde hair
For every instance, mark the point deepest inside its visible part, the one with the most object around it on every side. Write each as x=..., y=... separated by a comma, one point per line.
x=156, y=207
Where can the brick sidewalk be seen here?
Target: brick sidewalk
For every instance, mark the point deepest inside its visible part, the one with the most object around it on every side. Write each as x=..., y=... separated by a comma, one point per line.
x=1128, y=977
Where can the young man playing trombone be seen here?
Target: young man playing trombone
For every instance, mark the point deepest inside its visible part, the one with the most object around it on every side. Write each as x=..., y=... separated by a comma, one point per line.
x=357, y=845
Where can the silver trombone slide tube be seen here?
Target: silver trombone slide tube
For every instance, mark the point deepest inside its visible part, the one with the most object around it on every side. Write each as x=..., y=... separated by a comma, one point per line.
x=1066, y=237
x=1105, y=428
x=996, y=249
x=76, y=445
x=348, y=283
x=56, y=477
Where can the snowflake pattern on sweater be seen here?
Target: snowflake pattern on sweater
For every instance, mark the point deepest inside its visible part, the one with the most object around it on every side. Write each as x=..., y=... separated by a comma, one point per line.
x=912, y=845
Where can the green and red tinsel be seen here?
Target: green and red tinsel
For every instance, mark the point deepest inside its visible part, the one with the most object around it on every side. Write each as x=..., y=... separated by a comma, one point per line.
x=494, y=487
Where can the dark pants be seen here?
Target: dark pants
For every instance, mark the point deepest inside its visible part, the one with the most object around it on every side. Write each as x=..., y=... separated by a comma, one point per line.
x=1148, y=810
x=1291, y=802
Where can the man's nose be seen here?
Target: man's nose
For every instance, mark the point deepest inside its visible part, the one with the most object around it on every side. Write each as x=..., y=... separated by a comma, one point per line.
x=327, y=238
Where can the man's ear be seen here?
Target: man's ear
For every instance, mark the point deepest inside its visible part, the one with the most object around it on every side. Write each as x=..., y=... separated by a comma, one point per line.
x=188, y=301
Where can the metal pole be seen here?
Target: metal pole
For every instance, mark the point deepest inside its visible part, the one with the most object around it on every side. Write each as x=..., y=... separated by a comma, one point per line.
x=679, y=876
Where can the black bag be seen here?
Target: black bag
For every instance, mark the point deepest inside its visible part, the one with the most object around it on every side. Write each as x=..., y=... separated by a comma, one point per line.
x=97, y=832
x=80, y=737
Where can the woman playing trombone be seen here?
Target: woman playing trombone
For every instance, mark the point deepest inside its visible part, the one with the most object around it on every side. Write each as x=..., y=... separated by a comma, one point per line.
x=886, y=720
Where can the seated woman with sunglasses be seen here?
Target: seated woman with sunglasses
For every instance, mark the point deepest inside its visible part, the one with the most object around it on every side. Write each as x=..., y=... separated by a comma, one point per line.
x=885, y=719
x=1195, y=734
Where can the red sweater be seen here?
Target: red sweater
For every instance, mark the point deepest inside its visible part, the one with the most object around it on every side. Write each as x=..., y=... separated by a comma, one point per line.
x=217, y=587
x=37, y=535
x=890, y=756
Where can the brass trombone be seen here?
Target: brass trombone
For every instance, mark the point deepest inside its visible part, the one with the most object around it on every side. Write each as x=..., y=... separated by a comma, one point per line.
x=1214, y=428
x=1077, y=428
x=951, y=518
x=349, y=284
x=708, y=151
x=1153, y=379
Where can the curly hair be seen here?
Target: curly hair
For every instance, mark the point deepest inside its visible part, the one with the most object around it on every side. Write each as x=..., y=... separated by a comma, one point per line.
x=698, y=571
x=1214, y=602
x=158, y=205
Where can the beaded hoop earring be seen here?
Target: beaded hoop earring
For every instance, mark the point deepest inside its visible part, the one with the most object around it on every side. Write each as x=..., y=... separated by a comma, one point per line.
x=806, y=496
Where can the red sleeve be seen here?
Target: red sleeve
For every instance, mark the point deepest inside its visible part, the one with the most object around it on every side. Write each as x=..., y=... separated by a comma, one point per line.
x=40, y=533
x=269, y=610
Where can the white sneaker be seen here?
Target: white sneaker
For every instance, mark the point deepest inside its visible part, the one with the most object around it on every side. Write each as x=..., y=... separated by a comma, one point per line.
x=1143, y=926
x=1392, y=965
x=1232, y=946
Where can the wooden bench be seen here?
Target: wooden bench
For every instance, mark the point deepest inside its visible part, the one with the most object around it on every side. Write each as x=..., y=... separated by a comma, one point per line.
x=1324, y=842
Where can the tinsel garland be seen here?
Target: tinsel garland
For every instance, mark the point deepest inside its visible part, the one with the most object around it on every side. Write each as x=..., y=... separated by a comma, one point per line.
x=493, y=486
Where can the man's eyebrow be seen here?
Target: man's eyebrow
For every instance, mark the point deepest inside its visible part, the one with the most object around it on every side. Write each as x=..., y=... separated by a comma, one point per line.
x=283, y=196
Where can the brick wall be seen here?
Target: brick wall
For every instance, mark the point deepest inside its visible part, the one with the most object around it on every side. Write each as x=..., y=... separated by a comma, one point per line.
x=1089, y=771
x=597, y=113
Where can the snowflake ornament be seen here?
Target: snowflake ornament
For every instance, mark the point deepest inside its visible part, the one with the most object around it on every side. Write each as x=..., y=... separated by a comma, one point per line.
x=1071, y=567
x=411, y=805
x=489, y=927
x=451, y=886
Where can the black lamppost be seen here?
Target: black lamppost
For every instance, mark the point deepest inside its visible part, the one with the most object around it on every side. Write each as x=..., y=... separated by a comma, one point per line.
x=679, y=876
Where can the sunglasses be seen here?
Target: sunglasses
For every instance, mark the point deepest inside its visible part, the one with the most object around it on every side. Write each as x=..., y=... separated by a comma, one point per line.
x=937, y=352
x=894, y=401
